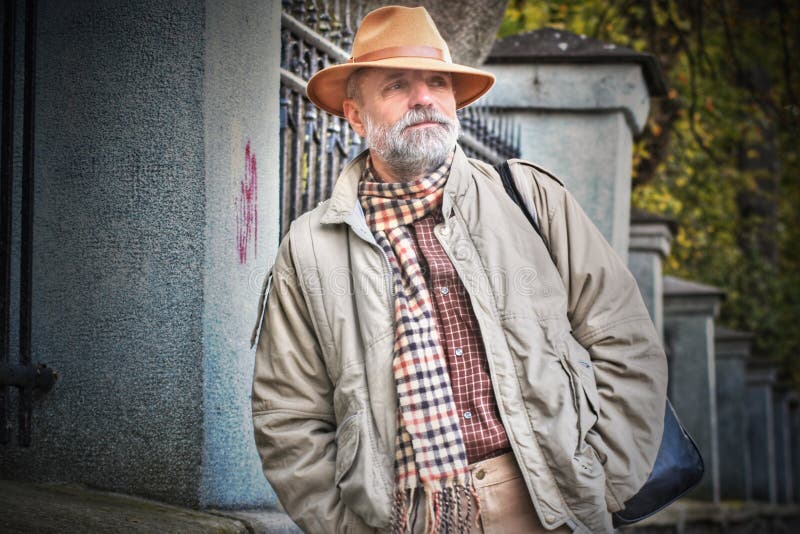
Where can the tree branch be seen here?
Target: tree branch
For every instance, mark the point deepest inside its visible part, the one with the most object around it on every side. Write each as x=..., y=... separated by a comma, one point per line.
x=787, y=61
x=692, y=92
x=737, y=65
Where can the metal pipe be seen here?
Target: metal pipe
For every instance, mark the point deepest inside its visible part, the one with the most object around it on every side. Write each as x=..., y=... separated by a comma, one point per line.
x=26, y=218
x=39, y=377
x=6, y=199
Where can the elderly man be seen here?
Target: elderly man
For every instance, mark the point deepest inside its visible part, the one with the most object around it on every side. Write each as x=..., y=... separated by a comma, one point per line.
x=426, y=360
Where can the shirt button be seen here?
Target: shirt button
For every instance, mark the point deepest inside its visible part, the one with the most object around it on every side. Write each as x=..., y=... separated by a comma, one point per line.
x=445, y=231
x=550, y=519
x=459, y=352
x=444, y=290
x=467, y=415
x=480, y=475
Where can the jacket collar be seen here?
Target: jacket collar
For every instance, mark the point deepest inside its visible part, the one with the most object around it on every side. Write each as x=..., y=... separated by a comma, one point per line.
x=344, y=206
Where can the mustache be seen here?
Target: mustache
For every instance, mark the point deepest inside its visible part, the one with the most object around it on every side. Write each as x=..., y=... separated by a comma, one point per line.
x=416, y=116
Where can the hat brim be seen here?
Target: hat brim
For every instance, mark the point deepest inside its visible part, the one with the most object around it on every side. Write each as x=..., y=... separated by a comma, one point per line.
x=327, y=87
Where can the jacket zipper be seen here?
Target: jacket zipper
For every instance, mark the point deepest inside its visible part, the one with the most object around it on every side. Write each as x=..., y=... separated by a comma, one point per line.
x=370, y=239
x=388, y=273
x=493, y=376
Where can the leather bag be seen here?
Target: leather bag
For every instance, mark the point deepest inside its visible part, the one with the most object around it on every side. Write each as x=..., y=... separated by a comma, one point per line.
x=679, y=466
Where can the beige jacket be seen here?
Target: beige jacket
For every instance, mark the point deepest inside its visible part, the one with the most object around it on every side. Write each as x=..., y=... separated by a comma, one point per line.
x=576, y=363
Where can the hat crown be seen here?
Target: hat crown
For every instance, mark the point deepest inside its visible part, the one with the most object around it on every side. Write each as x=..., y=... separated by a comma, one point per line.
x=396, y=26
x=396, y=37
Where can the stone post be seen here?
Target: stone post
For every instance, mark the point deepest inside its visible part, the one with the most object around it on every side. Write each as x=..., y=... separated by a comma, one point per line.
x=156, y=217
x=784, y=397
x=650, y=241
x=794, y=446
x=689, y=312
x=732, y=354
x=579, y=102
x=761, y=379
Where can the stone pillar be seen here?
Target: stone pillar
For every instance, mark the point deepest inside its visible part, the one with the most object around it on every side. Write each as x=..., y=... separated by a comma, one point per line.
x=689, y=312
x=650, y=240
x=156, y=216
x=732, y=353
x=761, y=425
x=579, y=102
x=786, y=485
x=794, y=448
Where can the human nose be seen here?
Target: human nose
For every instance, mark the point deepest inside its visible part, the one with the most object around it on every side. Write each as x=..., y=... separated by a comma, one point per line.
x=420, y=95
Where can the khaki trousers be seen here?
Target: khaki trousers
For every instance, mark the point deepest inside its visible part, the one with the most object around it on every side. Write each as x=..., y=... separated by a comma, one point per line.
x=506, y=506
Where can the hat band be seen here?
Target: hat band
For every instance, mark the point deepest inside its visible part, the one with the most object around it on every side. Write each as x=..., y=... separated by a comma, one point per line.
x=400, y=51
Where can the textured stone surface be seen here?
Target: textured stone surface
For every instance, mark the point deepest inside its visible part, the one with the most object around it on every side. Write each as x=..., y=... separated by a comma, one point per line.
x=548, y=87
x=699, y=517
x=150, y=241
x=732, y=353
x=118, y=247
x=241, y=114
x=689, y=335
x=649, y=244
x=57, y=508
x=265, y=521
x=783, y=398
x=794, y=421
x=590, y=153
x=578, y=121
x=761, y=431
x=552, y=45
x=646, y=269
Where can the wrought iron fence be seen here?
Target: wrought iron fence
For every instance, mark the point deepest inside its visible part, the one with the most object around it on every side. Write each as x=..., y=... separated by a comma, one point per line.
x=314, y=145
x=488, y=136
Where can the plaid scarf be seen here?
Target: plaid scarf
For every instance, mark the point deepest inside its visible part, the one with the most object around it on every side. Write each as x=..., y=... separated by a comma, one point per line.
x=430, y=450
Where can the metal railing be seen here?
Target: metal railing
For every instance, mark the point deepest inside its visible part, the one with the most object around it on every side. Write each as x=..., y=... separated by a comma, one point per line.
x=25, y=376
x=488, y=136
x=314, y=145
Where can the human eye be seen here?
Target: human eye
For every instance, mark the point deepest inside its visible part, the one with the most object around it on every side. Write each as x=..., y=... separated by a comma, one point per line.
x=439, y=81
x=394, y=85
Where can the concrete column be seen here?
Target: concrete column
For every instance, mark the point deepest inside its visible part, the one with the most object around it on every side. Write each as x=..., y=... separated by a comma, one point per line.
x=156, y=216
x=650, y=241
x=579, y=102
x=689, y=312
x=242, y=210
x=761, y=425
x=732, y=353
x=794, y=446
x=784, y=398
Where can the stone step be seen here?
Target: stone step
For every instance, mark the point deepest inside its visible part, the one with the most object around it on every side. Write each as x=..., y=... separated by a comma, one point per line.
x=58, y=508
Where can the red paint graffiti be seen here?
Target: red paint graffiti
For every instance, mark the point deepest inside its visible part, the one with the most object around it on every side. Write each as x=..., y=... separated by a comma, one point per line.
x=247, y=207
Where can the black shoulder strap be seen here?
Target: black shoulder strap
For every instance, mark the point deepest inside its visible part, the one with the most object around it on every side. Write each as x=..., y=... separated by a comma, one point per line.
x=508, y=184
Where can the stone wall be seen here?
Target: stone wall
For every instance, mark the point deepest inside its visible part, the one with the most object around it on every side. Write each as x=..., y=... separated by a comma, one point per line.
x=156, y=215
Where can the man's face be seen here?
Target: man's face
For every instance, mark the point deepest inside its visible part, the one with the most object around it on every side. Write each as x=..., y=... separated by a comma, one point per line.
x=408, y=117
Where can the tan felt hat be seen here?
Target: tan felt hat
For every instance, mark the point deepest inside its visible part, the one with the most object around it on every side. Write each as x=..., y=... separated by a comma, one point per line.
x=398, y=38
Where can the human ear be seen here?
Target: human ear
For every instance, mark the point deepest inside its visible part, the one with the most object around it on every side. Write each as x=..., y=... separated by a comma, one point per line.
x=353, y=116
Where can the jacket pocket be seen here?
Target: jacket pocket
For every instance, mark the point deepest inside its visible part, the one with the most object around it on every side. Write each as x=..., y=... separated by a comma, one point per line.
x=357, y=474
x=346, y=446
x=581, y=371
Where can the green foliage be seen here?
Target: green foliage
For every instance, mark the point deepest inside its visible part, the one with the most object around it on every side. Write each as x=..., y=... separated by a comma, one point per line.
x=720, y=152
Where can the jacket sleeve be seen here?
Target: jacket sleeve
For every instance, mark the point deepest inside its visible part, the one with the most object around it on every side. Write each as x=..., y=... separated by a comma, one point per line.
x=609, y=318
x=292, y=402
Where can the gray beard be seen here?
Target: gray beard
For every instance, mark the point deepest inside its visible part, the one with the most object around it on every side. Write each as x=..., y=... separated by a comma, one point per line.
x=411, y=153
